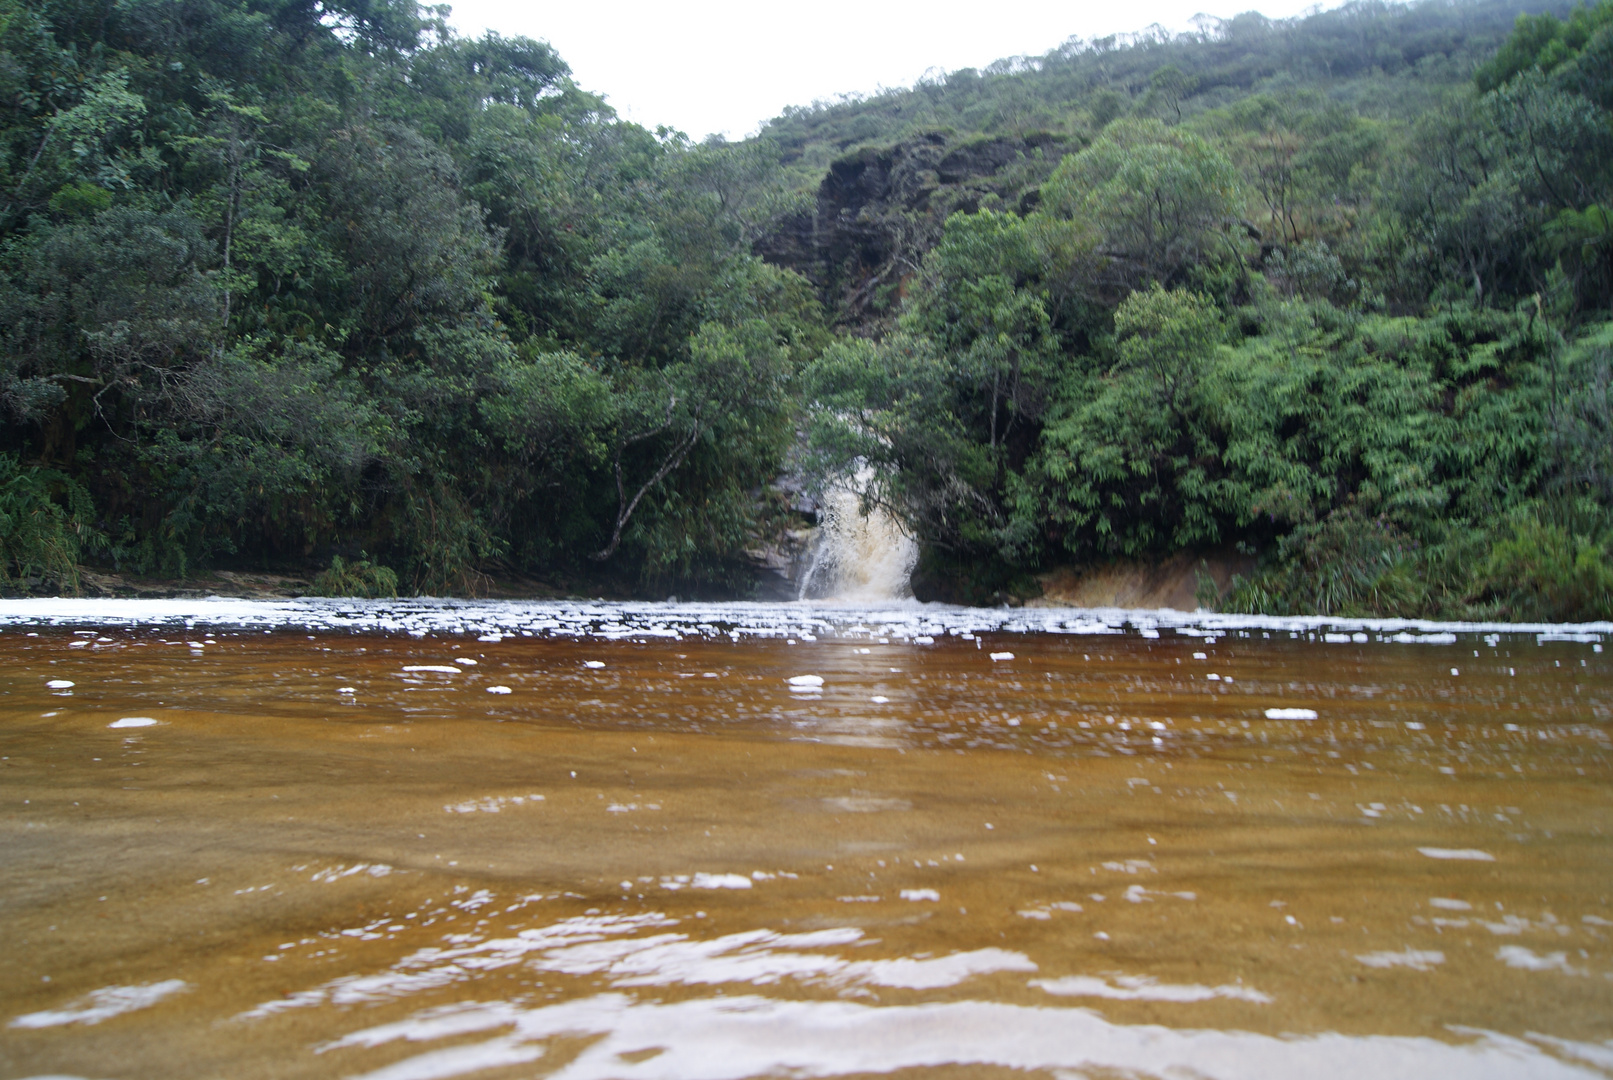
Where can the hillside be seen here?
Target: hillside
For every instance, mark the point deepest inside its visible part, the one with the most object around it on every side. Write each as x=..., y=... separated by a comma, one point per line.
x=1328, y=292
x=873, y=178
x=328, y=291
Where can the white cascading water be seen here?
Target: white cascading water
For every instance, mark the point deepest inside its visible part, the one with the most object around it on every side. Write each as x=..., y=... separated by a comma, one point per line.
x=858, y=558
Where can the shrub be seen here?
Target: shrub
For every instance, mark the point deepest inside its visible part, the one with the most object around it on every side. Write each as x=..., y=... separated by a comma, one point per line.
x=40, y=537
x=364, y=579
x=1546, y=572
x=1350, y=563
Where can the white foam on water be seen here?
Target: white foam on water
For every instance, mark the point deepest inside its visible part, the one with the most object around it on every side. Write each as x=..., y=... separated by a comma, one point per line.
x=1516, y=956
x=492, y=804
x=738, y=1037
x=133, y=721
x=864, y=804
x=917, y=895
x=1290, y=714
x=1416, y=959
x=61, y=684
x=720, y=881
x=103, y=1004
x=593, y=663
x=337, y=873
x=905, y=622
x=1470, y=854
x=806, y=680
x=1143, y=988
x=1446, y=903
x=498, y=690
x=1002, y=656
x=442, y=669
x=467, y=661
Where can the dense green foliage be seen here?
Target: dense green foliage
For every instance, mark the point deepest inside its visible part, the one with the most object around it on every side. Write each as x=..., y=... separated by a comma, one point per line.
x=361, y=578
x=44, y=527
x=1351, y=323
x=280, y=279
x=326, y=285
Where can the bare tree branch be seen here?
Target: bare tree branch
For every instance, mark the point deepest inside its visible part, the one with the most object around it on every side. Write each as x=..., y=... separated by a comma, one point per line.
x=624, y=507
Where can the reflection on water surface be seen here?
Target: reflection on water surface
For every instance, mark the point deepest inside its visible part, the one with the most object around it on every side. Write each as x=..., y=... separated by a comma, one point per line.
x=332, y=851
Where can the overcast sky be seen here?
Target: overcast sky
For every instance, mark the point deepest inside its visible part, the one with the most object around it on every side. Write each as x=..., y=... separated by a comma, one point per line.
x=720, y=66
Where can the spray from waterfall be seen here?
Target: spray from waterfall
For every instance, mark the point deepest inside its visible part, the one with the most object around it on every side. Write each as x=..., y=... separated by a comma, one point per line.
x=857, y=557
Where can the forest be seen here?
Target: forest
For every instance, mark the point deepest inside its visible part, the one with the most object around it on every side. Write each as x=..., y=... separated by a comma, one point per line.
x=324, y=285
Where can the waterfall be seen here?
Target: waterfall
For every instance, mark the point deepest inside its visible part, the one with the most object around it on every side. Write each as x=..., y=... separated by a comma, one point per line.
x=856, y=557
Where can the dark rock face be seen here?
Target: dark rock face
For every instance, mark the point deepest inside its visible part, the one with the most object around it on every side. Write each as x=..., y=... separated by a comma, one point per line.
x=987, y=157
x=880, y=209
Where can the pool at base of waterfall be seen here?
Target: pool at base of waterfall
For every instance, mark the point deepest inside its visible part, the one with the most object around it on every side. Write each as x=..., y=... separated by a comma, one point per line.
x=429, y=839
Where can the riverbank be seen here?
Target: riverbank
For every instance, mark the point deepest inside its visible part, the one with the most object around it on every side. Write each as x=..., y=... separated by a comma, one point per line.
x=281, y=585
x=1178, y=583
x=1186, y=581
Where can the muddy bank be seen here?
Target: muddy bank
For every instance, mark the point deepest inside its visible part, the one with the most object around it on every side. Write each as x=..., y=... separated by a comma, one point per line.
x=1184, y=582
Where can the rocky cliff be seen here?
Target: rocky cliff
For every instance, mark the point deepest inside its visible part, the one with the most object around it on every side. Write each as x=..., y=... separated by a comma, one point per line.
x=879, y=209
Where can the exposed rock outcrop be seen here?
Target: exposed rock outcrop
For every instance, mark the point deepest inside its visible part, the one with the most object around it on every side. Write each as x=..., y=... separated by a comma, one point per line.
x=878, y=210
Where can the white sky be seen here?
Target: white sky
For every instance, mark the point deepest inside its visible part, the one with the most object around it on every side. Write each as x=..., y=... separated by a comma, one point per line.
x=725, y=66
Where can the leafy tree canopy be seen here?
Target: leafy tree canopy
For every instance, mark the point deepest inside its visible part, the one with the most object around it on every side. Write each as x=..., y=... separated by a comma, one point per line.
x=324, y=285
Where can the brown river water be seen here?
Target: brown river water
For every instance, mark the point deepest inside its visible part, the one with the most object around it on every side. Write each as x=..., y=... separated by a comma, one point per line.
x=285, y=853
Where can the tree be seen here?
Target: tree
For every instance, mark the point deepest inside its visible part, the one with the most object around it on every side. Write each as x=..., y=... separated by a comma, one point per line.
x=725, y=392
x=981, y=305
x=1126, y=462
x=1459, y=192
x=1162, y=198
x=1166, y=338
x=887, y=411
x=1172, y=85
